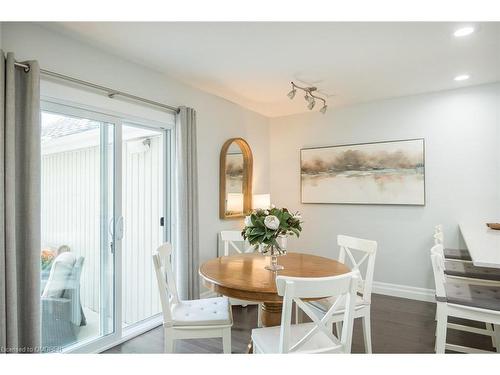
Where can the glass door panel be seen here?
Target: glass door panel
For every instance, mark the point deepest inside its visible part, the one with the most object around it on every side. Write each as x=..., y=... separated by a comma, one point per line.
x=143, y=210
x=77, y=209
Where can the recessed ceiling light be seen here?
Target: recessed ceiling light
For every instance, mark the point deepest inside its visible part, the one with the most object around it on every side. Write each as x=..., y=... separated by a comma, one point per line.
x=463, y=31
x=462, y=77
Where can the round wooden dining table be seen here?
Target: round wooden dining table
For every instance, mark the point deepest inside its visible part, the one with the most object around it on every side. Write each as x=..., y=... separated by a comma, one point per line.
x=244, y=277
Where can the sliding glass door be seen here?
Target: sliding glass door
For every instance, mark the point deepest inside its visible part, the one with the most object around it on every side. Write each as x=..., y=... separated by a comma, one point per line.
x=104, y=210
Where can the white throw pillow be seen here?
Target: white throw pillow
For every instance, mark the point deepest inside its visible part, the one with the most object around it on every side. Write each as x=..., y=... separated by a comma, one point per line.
x=59, y=274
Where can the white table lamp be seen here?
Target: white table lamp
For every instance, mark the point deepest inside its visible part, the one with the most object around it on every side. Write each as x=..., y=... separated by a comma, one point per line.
x=262, y=201
x=234, y=203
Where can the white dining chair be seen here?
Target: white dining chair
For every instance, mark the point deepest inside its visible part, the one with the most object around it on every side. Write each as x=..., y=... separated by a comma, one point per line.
x=458, y=263
x=195, y=319
x=458, y=266
x=234, y=243
x=465, y=300
x=449, y=253
x=354, y=252
x=315, y=337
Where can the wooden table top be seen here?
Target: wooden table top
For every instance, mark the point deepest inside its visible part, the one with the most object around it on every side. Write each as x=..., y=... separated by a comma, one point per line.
x=243, y=276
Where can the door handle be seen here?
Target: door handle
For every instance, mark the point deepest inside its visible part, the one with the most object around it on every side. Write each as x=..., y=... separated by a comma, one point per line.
x=119, y=228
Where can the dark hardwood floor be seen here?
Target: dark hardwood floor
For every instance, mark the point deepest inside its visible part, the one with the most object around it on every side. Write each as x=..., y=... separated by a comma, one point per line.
x=398, y=326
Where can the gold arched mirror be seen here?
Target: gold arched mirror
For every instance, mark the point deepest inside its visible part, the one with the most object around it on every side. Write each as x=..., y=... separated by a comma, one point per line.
x=236, y=164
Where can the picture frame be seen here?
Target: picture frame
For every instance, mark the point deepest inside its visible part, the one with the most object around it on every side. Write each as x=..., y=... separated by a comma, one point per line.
x=371, y=173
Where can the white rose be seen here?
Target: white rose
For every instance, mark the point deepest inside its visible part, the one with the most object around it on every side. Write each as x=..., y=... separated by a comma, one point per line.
x=248, y=221
x=297, y=216
x=272, y=206
x=272, y=222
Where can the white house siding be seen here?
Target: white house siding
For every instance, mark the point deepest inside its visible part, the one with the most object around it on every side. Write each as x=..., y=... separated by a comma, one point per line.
x=71, y=212
x=142, y=210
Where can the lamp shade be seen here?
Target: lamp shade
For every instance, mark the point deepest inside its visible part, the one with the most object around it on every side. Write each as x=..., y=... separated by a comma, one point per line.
x=234, y=202
x=262, y=201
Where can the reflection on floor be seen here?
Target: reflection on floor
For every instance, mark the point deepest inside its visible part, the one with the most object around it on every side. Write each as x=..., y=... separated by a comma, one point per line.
x=398, y=326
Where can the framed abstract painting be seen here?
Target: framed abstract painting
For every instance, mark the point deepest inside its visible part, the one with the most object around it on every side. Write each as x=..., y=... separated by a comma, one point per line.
x=391, y=172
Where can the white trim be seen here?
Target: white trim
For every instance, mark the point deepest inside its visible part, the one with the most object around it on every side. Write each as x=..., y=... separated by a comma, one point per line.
x=387, y=289
x=52, y=104
x=128, y=334
x=404, y=291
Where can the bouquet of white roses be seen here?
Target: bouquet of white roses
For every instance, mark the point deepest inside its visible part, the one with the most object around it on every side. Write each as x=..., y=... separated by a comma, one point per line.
x=264, y=227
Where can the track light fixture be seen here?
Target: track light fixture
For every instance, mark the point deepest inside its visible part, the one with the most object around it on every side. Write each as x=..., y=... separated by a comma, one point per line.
x=310, y=97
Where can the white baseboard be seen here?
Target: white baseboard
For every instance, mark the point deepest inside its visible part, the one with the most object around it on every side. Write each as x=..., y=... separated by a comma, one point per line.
x=404, y=291
x=387, y=289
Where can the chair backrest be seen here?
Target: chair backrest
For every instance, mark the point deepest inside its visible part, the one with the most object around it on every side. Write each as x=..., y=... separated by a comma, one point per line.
x=60, y=275
x=295, y=289
x=357, y=251
x=437, y=259
x=233, y=240
x=73, y=291
x=165, y=279
x=439, y=238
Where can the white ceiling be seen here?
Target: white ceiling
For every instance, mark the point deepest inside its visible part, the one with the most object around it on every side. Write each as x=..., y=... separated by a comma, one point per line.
x=252, y=63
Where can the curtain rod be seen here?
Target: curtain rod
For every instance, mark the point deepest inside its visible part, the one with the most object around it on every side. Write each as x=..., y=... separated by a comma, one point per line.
x=111, y=92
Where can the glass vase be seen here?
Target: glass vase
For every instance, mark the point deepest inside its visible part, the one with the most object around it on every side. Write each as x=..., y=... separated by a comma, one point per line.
x=274, y=252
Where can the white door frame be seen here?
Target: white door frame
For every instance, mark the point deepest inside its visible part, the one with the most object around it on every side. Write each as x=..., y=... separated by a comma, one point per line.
x=64, y=107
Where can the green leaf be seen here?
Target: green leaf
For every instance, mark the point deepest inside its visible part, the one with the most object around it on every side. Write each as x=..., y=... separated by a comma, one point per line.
x=295, y=231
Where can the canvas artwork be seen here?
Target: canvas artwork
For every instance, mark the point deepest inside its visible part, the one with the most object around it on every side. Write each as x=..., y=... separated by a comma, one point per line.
x=370, y=173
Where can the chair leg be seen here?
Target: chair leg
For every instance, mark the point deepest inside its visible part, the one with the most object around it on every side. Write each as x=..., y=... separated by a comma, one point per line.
x=489, y=327
x=169, y=340
x=441, y=327
x=259, y=318
x=496, y=337
x=255, y=349
x=226, y=340
x=297, y=312
x=367, y=333
x=338, y=327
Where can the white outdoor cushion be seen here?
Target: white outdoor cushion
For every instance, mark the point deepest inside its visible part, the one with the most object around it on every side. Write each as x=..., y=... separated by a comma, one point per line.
x=207, y=311
x=268, y=339
x=325, y=303
x=59, y=274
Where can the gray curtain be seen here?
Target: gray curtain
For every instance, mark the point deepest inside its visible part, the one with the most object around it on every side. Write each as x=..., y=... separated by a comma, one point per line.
x=19, y=206
x=187, y=256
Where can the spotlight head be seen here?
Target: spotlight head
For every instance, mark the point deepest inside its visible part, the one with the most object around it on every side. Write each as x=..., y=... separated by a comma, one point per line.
x=292, y=93
x=308, y=98
x=323, y=109
x=311, y=104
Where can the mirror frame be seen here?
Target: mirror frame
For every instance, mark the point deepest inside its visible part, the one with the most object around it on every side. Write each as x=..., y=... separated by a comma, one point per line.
x=247, y=178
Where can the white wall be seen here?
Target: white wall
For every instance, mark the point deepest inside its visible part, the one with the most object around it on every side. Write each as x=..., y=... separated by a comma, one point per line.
x=460, y=128
x=218, y=119
x=462, y=138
